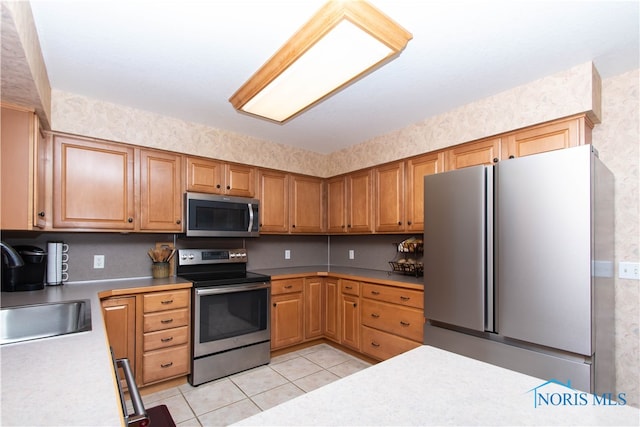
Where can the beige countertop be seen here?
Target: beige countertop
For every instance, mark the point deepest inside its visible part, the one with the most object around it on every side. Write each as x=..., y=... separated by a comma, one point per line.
x=66, y=380
x=429, y=386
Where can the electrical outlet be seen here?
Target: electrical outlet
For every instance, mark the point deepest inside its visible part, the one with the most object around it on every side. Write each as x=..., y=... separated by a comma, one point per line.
x=352, y=254
x=629, y=270
x=287, y=254
x=98, y=261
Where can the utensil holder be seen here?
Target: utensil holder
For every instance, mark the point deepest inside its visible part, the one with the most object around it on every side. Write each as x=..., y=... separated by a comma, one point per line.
x=160, y=270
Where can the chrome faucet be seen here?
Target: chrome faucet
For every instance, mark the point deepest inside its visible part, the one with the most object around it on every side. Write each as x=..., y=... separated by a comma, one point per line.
x=13, y=258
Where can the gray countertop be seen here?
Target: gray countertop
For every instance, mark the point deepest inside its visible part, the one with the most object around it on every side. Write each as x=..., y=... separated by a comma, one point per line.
x=65, y=380
x=357, y=273
x=429, y=386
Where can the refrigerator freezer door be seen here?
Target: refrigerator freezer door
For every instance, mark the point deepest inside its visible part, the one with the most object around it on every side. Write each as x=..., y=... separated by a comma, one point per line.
x=543, y=240
x=454, y=242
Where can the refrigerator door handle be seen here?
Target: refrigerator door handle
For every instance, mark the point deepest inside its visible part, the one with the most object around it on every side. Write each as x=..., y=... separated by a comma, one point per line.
x=489, y=291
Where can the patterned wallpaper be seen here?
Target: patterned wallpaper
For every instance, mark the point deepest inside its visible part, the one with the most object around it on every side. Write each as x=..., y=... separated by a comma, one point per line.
x=566, y=93
x=617, y=139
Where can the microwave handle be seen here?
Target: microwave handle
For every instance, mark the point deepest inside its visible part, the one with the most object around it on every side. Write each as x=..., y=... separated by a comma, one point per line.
x=250, y=217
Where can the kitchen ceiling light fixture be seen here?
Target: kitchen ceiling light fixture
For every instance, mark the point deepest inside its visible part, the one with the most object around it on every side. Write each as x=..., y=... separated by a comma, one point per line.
x=342, y=42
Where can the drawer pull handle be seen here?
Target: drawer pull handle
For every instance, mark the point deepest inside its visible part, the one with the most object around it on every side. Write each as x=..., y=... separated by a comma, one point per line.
x=348, y=287
x=403, y=323
x=166, y=339
x=165, y=321
x=288, y=286
x=167, y=365
x=167, y=301
x=405, y=298
x=375, y=293
x=375, y=315
x=374, y=344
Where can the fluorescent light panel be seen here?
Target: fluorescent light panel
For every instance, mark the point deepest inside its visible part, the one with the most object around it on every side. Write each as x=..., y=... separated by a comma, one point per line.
x=341, y=42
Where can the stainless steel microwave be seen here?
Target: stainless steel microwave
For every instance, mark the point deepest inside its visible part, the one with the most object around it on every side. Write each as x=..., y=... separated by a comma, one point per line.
x=210, y=215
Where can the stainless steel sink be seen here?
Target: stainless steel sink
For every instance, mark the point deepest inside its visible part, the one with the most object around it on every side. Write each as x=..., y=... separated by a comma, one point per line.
x=31, y=322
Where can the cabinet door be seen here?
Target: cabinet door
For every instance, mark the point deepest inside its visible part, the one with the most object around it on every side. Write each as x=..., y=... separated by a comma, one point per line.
x=240, y=180
x=120, y=323
x=204, y=175
x=274, y=202
x=417, y=169
x=93, y=184
x=160, y=191
x=350, y=321
x=389, y=197
x=484, y=152
x=359, y=205
x=552, y=136
x=336, y=205
x=307, y=204
x=19, y=131
x=286, y=320
x=331, y=317
x=313, y=307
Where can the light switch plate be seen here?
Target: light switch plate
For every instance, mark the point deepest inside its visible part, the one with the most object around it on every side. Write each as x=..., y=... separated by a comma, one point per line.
x=629, y=270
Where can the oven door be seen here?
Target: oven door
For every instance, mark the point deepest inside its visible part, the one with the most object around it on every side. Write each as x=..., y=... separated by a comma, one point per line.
x=228, y=317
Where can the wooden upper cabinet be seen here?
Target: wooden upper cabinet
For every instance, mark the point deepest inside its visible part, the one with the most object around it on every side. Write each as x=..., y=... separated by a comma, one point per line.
x=307, y=204
x=483, y=152
x=24, y=158
x=160, y=191
x=389, y=197
x=240, y=180
x=337, y=205
x=215, y=177
x=359, y=202
x=417, y=169
x=349, y=203
x=204, y=175
x=550, y=136
x=93, y=184
x=274, y=201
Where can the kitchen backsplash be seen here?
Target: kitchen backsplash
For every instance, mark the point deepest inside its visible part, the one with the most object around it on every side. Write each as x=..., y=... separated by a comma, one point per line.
x=126, y=254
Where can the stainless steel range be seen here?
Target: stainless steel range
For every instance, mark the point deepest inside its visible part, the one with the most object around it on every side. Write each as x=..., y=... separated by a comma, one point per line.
x=231, y=329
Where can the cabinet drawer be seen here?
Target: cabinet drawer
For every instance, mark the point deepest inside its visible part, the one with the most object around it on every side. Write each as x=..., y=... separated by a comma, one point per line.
x=350, y=287
x=287, y=286
x=167, y=363
x=160, y=301
x=165, y=338
x=406, y=297
x=166, y=320
x=382, y=345
x=403, y=321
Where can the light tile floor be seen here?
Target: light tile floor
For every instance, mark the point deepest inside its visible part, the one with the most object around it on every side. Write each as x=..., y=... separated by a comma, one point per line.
x=231, y=399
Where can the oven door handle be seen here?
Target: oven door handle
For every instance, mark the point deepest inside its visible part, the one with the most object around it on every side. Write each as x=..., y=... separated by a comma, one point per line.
x=213, y=290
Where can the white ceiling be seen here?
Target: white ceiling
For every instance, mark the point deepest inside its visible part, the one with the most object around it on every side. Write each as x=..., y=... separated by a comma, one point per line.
x=186, y=58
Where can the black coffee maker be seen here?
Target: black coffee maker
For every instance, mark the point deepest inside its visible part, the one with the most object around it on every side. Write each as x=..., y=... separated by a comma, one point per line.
x=30, y=276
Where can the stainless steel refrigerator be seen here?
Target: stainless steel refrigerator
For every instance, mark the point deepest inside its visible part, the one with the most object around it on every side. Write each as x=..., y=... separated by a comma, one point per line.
x=518, y=266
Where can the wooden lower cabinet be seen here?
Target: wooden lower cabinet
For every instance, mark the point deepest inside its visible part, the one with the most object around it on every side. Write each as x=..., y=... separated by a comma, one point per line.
x=313, y=307
x=350, y=321
x=383, y=345
x=152, y=330
x=287, y=316
x=331, y=305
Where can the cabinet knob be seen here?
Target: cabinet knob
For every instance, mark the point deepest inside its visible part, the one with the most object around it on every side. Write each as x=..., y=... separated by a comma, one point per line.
x=218, y=186
x=408, y=222
x=399, y=222
x=41, y=214
x=293, y=226
x=495, y=160
x=342, y=226
x=274, y=304
x=512, y=156
x=348, y=225
x=129, y=219
x=228, y=187
x=178, y=221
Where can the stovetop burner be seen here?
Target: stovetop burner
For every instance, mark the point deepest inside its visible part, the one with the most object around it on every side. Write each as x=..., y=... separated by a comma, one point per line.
x=216, y=267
